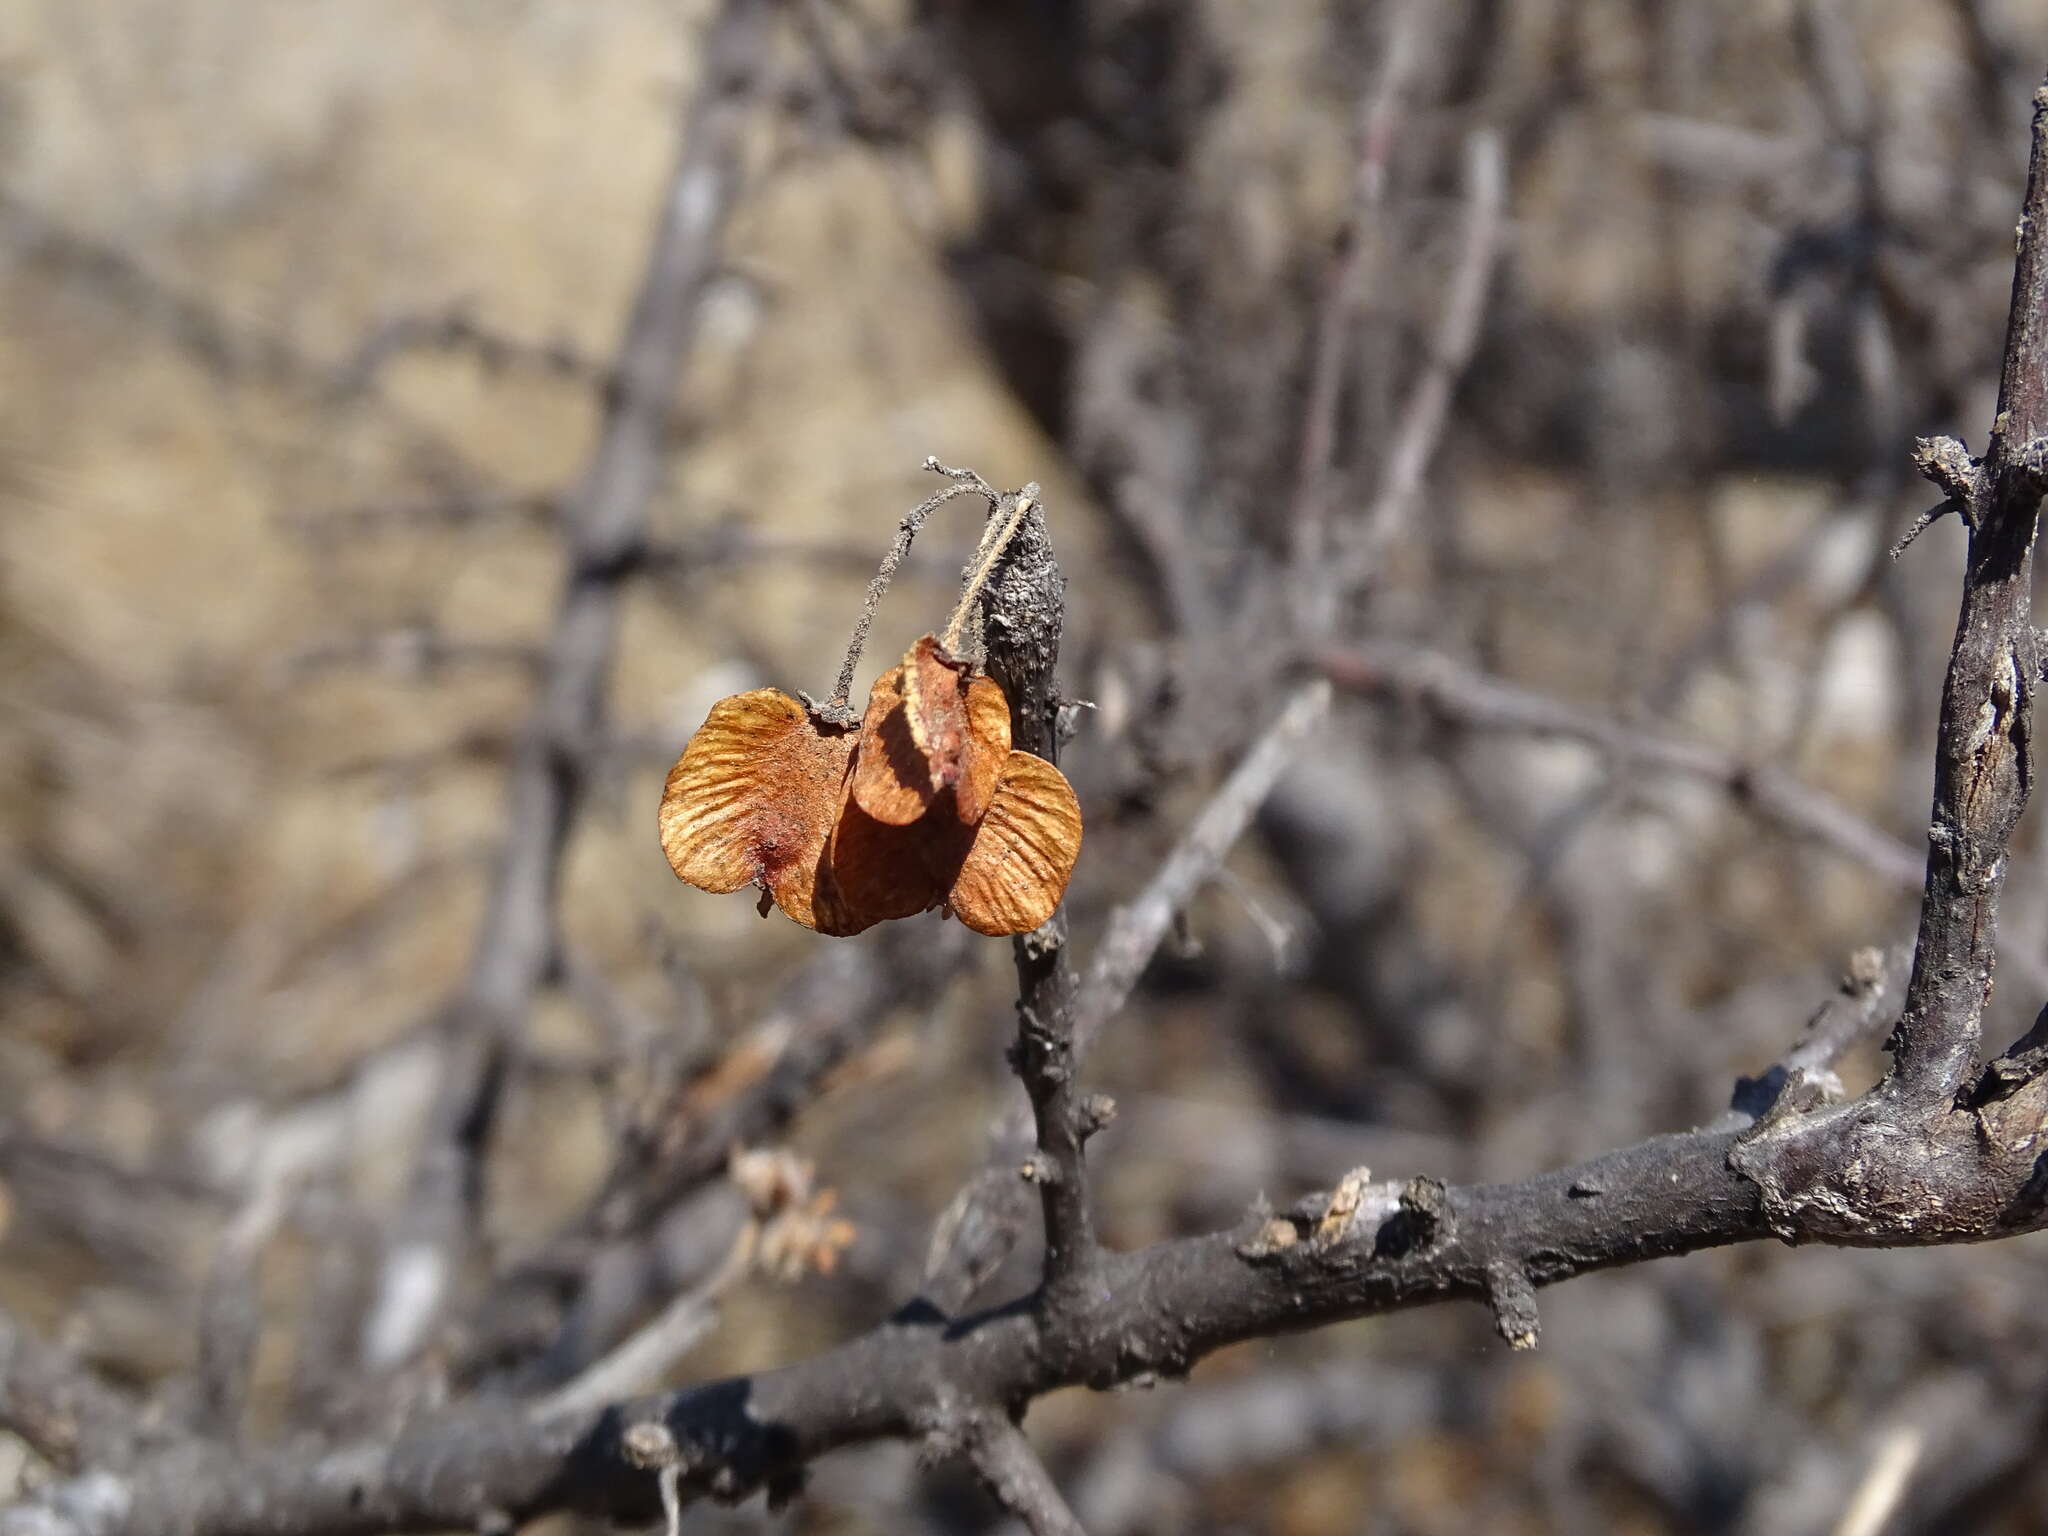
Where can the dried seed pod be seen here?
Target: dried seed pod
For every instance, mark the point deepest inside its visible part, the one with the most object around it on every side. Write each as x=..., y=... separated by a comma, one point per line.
x=753, y=799
x=931, y=729
x=1023, y=851
x=1002, y=876
x=873, y=872
x=767, y=794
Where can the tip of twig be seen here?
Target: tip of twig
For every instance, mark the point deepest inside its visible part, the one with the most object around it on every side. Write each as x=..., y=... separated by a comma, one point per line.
x=1512, y=1299
x=1920, y=525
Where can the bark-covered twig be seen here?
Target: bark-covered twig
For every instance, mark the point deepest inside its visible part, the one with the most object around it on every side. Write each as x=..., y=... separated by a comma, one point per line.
x=1428, y=408
x=1983, y=765
x=604, y=526
x=1024, y=614
x=1361, y=247
x=641, y=1360
x=1469, y=698
x=1852, y=1016
x=1005, y=1464
x=1138, y=928
x=1364, y=1249
x=1889, y=1160
x=979, y=1227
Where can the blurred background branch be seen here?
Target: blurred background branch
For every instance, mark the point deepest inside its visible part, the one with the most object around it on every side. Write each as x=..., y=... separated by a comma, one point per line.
x=381, y=507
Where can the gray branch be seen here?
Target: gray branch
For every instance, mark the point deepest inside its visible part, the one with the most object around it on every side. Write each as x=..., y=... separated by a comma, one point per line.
x=605, y=527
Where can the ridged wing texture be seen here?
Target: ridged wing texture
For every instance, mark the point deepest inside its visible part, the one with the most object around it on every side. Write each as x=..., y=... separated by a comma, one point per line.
x=1023, y=852
x=754, y=797
x=929, y=730
x=988, y=722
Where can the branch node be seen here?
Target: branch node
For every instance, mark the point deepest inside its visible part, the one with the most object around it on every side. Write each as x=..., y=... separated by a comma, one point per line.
x=1512, y=1299
x=2024, y=1060
x=1095, y=1112
x=1948, y=465
x=651, y=1445
x=2030, y=461
x=830, y=712
x=1039, y=1169
x=1047, y=939
x=1798, y=1093
x=1274, y=1236
x=1421, y=1221
x=1335, y=1223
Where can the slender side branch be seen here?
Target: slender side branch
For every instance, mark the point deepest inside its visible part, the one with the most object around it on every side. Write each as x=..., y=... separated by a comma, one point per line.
x=979, y=1226
x=1422, y=422
x=1853, y=1015
x=1466, y=697
x=1044, y=1059
x=644, y=1358
x=1358, y=256
x=605, y=528
x=965, y=483
x=1006, y=1465
x=1138, y=928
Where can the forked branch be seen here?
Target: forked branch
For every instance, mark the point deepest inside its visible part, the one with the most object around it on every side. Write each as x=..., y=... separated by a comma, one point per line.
x=1936, y=1154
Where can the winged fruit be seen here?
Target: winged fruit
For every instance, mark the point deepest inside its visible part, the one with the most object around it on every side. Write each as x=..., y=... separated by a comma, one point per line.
x=924, y=805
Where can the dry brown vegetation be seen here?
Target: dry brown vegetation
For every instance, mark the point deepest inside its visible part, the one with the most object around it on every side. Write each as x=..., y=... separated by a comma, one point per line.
x=395, y=468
